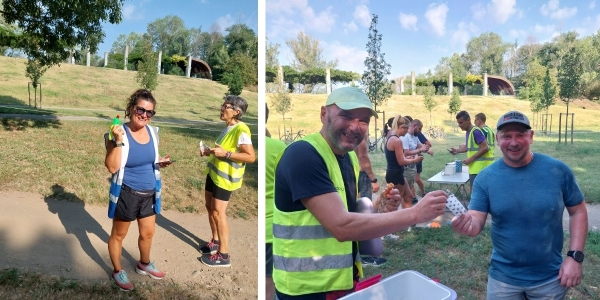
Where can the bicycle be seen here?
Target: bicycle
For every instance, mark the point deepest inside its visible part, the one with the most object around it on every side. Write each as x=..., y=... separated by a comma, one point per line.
x=289, y=137
x=435, y=132
x=374, y=145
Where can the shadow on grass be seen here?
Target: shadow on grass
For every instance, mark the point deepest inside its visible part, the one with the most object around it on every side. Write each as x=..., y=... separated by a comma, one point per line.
x=12, y=123
x=77, y=221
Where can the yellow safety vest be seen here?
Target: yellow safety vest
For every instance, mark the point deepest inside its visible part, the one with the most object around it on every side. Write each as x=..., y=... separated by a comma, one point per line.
x=226, y=173
x=490, y=138
x=485, y=160
x=306, y=257
x=272, y=149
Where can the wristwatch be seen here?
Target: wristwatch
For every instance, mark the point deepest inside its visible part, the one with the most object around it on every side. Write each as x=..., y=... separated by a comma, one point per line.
x=576, y=255
x=374, y=180
x=118, y=144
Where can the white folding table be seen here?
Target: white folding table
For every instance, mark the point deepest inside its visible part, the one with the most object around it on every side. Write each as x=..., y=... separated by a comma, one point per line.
x=458, y=179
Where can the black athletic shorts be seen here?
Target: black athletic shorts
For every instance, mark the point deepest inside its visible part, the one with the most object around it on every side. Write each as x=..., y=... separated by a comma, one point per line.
x=395, y=176
x=134, y=204
x=217, y=192
x=420, y=167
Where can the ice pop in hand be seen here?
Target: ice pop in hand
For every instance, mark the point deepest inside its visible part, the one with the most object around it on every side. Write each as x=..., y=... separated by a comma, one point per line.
x=116, y=122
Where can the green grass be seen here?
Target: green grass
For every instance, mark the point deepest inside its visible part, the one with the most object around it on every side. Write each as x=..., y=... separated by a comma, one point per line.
x=582, y=156
x=65, y=158
x=462, y=263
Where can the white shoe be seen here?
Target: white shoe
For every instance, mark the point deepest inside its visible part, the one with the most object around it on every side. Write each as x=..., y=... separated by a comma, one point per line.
x=391, y=237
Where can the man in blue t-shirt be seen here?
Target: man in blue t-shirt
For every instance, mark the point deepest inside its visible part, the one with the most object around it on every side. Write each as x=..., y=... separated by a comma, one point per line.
x=526, y=193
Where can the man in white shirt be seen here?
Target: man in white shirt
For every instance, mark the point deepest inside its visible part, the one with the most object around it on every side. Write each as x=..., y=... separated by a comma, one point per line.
x=412, y=146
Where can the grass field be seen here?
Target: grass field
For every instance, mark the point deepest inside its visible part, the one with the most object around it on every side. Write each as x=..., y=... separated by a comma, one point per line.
x=581, y=156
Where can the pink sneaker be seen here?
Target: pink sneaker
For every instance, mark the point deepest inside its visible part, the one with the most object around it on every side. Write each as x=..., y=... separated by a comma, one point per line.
x=149, y=270
x=122, y=281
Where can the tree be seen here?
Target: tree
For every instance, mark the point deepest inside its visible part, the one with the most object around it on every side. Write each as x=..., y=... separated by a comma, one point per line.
x=234, y=81
x=428, y=100
x=485, y=54
x=455, y=103
x=271, y=61
x=281, y=101
x=241, y=40
x=147, y=69
x=374, y=79
x=569, y=74
x=549, y=90
x=247, y=67
x=51, y=28
x=133, y=40
x=307, y=53
x=34, y=71
x=170, y=35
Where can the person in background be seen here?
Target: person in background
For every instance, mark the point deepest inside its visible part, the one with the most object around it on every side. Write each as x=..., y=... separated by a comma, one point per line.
x=135, y=192
x=273, y=148
x=367, y=185
x=526, y=194
x=490, y=137
x=315, y=226
x=423, y=140
x=476, y=147
x=224, y=173
x=412, y=146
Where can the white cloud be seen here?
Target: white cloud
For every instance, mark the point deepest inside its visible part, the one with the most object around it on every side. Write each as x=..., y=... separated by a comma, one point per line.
x=548, y=29
x=517, y=33
x=131, y=13
x=592, y=4
x=224, y=22
x=349, y=58
x=321, y=22
x=362, y=15
x=285, y=27
x=277, y=7
x=501, y=10
x=436, y=16
x=349, y=27
x=552, y=9
x=478, y=11
x=461, y=35
x=408, y=21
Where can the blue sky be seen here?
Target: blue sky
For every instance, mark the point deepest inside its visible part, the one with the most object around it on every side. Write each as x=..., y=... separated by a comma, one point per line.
x=195, y=13
x=416, y=34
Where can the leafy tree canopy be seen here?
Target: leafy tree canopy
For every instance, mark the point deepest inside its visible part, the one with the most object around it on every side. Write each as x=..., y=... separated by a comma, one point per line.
x=51, y=28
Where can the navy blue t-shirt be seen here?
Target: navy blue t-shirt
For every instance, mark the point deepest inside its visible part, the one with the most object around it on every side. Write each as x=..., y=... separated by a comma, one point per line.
x=302, y=173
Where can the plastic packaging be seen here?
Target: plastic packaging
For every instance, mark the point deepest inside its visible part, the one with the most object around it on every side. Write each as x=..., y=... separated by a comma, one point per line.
x=458, y=164
x=373, y=247
x=116, y=122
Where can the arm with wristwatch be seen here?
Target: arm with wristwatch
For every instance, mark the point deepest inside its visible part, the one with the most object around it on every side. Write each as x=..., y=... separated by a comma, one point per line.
x=571, y=270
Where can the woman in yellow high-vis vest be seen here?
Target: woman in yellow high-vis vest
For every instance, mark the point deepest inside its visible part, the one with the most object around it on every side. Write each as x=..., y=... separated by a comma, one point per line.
x=225, y=170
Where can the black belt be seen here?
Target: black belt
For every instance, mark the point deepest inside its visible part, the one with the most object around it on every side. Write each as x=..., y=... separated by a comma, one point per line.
x=147, y=193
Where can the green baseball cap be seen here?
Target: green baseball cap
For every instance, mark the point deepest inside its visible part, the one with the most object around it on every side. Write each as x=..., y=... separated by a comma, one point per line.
x=348, y=98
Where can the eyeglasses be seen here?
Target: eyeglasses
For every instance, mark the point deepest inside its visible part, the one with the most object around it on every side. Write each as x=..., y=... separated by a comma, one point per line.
x=140, y=111
x=225, y=106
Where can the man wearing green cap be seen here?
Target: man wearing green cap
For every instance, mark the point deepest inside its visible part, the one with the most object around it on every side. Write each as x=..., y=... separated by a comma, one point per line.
x=315, y=227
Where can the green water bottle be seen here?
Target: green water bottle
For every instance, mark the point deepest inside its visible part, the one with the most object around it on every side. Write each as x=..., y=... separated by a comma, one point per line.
x=116, y=122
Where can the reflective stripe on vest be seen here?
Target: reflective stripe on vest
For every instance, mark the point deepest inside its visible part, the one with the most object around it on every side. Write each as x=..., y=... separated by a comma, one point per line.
x=489, y=137
x=306, y=257
x=485, y=160
x=226, y=173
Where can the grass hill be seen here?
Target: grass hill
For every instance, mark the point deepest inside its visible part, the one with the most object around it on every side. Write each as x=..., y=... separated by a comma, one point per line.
x=61, y=158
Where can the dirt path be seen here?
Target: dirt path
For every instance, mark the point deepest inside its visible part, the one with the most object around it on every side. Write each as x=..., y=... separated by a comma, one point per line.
x=69, y=239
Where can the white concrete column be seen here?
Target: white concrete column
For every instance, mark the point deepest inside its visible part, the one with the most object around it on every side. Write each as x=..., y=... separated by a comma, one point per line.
x=485, y=84
x=402, y=85
x=159, y=61
x=450, y=83
x=88, y=59
x=328, y=80
x=105, y=59
x=280, y=75
x=188, y=69
x=125, y=60
x=413, y=86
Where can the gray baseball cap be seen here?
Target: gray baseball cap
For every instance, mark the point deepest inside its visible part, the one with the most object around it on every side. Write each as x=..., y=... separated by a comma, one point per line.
x=513, y=116
x=348, y=98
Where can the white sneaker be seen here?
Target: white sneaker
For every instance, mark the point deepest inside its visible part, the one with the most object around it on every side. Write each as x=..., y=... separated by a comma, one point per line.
x=391, y=237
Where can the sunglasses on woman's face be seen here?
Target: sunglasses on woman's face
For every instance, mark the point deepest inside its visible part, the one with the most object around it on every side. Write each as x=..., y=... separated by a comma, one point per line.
x=140, y=111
